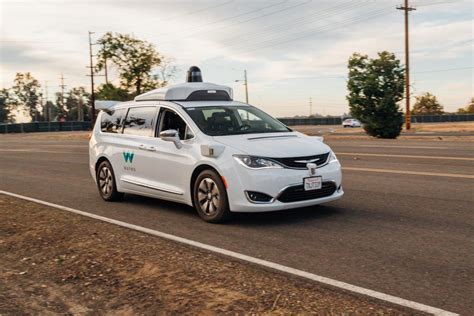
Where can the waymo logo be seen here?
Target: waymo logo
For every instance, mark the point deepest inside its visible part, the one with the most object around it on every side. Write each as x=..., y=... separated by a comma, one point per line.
x=128, y=156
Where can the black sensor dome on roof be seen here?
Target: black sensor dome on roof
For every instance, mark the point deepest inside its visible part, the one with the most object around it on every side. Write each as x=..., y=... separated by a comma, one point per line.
x=194, y=74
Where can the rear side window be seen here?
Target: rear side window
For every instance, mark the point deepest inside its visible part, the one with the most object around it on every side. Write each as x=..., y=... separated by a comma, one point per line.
x=140, y=121
x=112, y=123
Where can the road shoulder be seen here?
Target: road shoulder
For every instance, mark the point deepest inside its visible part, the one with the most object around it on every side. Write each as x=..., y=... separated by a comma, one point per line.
x=64, y=263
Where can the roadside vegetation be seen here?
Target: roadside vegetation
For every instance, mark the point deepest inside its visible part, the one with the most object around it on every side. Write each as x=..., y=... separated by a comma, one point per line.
x=375, y=88
x=137, y=63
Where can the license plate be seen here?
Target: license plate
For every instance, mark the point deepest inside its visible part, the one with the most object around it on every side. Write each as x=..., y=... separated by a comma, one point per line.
x=312, y=183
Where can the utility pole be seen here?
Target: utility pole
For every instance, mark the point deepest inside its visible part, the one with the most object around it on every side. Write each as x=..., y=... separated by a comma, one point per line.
x=105, y=70
x=92, y=100
x=407, y=9
x=246, y=87
x=48, y=107
x=62, y=86
x=310, y=106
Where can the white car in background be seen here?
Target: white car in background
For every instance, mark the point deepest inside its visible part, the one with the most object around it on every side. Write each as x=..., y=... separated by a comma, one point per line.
x=351, y=123
x=191, y=143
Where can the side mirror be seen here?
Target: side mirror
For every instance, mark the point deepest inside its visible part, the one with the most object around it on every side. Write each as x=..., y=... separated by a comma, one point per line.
x=171, y=135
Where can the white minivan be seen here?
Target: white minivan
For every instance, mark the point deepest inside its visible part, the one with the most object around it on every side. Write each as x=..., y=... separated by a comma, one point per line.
x=191, y=143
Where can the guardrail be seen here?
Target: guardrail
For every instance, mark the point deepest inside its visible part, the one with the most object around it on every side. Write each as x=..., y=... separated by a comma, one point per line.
x=44, y=127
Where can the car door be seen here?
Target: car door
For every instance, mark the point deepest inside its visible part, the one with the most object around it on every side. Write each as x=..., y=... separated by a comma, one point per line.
x=172, y=167
x=135, y=155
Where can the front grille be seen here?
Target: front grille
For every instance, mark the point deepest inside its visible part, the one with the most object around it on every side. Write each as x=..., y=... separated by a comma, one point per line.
x=300, y=162
x=297, y=193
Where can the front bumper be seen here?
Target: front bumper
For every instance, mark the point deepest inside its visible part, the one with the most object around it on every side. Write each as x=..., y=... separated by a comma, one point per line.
x=273, y=182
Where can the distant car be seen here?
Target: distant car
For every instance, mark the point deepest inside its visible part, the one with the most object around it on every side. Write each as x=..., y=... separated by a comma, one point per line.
x=351, y=123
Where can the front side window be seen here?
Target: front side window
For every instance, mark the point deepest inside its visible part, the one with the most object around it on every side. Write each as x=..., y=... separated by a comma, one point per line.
x=112, y=122
x=140, y=121
x=234, y=120
x=171, y=120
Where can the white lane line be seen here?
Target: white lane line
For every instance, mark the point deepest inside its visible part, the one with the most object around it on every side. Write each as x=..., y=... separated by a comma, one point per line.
x=418, y=173
x=386, y=146
x=272, y=265
x=406, y=156
x=42, y=151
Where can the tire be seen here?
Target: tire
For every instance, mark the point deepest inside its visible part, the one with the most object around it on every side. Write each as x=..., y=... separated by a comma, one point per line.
x=106, y=184
x=210, y=197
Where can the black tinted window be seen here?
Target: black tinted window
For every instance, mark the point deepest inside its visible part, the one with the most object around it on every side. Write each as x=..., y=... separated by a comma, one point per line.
x=232, y=120
x=171, y=120
x=112, y=123
x=140, y=121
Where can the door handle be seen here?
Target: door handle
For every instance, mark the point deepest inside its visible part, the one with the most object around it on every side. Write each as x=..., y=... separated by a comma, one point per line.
x=142, y=147
x=151, y=148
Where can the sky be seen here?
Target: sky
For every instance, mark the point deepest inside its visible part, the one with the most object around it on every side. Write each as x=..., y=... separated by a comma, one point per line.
x=293, y=50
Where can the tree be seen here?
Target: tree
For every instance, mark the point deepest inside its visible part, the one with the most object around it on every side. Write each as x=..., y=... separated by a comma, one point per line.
x=134, y=58
x=375, y=87
x=6, y=116
x=427, y=104
x=60, y=108
x=110, y=92
x=468, y=109
x=166, y=70
x=51, y=111
x=77, y=99
x=26, y=94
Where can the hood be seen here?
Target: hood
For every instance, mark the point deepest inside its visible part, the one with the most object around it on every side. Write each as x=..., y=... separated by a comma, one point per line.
x=275, y=145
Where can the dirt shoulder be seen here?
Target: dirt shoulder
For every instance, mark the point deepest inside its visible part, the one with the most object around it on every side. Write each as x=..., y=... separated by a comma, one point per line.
x=52, y=261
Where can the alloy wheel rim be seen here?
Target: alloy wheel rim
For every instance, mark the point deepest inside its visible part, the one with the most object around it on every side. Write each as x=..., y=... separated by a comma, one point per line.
x=208, y=196
x=105, y=181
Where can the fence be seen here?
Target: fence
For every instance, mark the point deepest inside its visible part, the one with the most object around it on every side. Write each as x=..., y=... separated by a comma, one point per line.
x=414, y=119
x=442, y=118
x=44, y=127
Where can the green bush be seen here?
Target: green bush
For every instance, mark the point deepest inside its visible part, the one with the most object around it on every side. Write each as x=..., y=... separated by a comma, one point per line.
x=375, y=87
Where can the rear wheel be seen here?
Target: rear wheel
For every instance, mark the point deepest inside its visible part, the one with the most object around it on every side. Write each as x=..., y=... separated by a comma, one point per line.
x=210, y=197
x=106, y=182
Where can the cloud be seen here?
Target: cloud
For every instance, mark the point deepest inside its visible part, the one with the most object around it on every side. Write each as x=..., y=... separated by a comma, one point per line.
x=223, y=37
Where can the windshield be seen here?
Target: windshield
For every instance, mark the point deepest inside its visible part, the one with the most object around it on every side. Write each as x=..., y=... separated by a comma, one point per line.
x=234, y=120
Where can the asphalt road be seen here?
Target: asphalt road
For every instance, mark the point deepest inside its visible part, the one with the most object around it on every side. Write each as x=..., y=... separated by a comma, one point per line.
x=405, y=226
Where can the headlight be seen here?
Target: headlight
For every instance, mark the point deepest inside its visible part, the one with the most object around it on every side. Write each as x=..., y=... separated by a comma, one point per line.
x=332, y=157
x=256, y=162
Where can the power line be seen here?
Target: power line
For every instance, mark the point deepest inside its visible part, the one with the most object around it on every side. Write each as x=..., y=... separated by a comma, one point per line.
x=301, y=20
x=219, y=21
x=327, y=28
x=179, y=16
x=443, y=70
x=254, y=18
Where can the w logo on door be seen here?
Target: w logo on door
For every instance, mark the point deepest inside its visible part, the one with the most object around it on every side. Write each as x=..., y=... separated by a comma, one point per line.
x=128, y=156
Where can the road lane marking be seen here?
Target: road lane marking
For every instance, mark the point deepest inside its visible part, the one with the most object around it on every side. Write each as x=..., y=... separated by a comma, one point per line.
x=272, y=265
x=386, y=146
x=419, y=173
x=42, y=151
x=406, y=156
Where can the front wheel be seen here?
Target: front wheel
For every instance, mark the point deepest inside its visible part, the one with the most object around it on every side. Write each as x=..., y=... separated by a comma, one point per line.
x=210, y=197
x=106, y=182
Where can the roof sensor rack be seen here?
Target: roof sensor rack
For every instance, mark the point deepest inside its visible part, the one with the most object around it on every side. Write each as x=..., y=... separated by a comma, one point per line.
x=193, y=90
